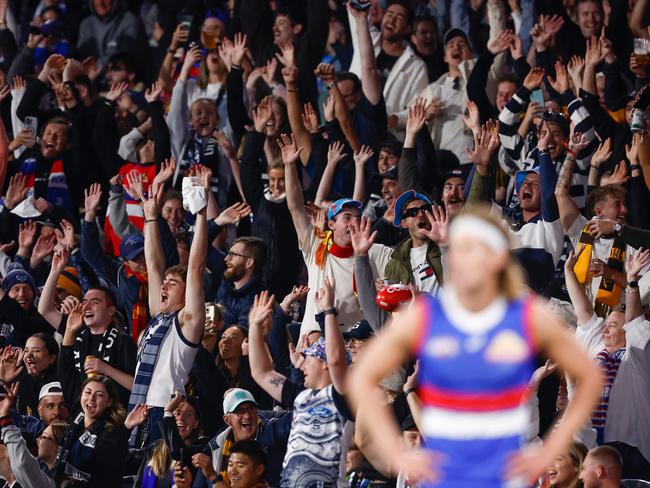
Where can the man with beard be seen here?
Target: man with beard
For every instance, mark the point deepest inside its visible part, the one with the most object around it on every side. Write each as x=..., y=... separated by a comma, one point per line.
x=402, y=72
x=417, y=259
x=243, y=421
x=242, y=279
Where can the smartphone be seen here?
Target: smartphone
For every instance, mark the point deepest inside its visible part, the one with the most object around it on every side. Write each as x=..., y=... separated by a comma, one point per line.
x=210, y=311
x=538, y=97
x=186, y=21
x=360, y=4
x=31, y=124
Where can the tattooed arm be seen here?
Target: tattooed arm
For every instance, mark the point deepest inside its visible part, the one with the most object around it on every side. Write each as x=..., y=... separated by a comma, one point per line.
x=566, y=205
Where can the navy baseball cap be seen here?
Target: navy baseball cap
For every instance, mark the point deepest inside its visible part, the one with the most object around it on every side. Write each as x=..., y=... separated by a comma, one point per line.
x=132, y=246
x=520, y=176
x=361, y=330
x=454, y=32
x=338, y=206
x=403, y=199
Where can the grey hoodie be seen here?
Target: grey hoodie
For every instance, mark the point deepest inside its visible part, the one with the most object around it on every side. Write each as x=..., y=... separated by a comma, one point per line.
x=119, y=31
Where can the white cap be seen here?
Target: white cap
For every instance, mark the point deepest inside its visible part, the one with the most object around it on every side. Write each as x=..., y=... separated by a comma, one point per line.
x=51, y=389
x=236, y=397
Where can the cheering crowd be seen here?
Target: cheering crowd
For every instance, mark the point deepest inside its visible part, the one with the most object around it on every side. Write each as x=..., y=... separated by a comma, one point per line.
x=210, y=208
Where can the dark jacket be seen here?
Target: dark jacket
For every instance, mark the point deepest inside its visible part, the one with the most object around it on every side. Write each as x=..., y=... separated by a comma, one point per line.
x=398, y=269
x=271, y=220
x=16, y=325
x=238, y=302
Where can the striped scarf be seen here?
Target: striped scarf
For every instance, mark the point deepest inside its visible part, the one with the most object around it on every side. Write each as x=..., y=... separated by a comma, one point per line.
x=609, y=364
x=147, y=356
x=139, y=312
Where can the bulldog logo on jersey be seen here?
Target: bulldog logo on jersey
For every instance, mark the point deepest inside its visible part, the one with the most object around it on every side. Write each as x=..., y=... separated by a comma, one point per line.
x=507, y=347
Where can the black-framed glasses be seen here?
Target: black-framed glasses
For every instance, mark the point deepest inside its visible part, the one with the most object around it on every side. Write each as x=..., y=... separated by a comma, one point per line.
x=231, y=254
x=414, y=211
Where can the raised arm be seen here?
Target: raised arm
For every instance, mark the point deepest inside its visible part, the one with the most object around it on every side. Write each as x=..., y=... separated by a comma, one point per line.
x=634, y=262
x=47, y=302
x=566, y=205
x=334, y=156
x=582, y=306
x=334, y=345
x=295, y=201
x=153, y=251
x=259, y=357
x=192, y=317
x=361, y=157
x=370, y=80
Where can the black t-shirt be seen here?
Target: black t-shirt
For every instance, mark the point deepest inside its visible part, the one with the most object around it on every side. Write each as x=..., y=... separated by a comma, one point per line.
x=385, y=63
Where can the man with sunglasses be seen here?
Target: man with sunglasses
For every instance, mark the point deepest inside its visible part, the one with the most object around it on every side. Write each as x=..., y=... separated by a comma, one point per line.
x=242, y=279
x=417, y=259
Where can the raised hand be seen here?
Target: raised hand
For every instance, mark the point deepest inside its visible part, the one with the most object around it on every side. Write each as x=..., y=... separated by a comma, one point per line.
x=318, y=219
x=473, y=118
x=606, y=47
x=416, y=118
x=54, y=64
x=577, y=142
x=295, y=353
x=324, y=297
x=60, y=260
x=262, y=309
x=180, y=36
x=310, y=118
x=534, y=78
x=516, y=47
x=335, y=153
x=572, y=259
x=92, y=68
x=92, y=198
x=135, y=184
x=116, y=91
x=26, y=235
x=11, y=364
x=233, y=214
x=16, y=191
x=484, y=147
x=635, y=261
x=412, y=380
x=225, y=52
x=561, y=82
x=72, y=69
x=290, y=75
x=297, y=293
x=603, y=153
x=593, y=54
x=620, y=175
x=193, y=56
x=286, y=55
x=325, y=72
x=501, y=43
x=542, y=32
x=268, y=73
x=152, y=203
x=540, y=373
x=153, y=93
x=8, y=399
x=435, y=108
x=44, y=247
x=632, y=150
x=289, y=149
x=361, y=236
x=4, y=92
x=239, y=49
x=439, y=231
x=224, y=143
x=18, y=83
x=167, y=170
x=136, y=417
x=329, y=107
x=362, y=156
x=262, y=115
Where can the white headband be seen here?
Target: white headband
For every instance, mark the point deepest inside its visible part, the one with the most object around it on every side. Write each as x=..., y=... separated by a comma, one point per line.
x=477, y=228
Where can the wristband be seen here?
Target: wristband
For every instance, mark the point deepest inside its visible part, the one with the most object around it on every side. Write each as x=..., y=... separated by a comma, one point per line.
x=171, y=51
x=634, y=166
x=146, y=221
x=595, y=167
x=544, y=151
x=568, y=149
x=331, y=85
x=408, y=392
x=236, y=66
x=331, y=311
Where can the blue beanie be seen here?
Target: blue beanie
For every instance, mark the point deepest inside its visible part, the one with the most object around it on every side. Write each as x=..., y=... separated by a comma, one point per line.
x=17, y=276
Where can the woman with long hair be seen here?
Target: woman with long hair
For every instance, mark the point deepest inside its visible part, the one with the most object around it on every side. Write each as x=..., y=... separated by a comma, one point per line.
x=476, y=343
x=564, y=471
x=95, y=446
x=182, y=439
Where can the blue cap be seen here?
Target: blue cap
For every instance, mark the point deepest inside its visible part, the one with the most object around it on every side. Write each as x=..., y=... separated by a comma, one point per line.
x=403, y=199
x=520, y=176
x=17, y=276
x=132, y=246
x=338, y=206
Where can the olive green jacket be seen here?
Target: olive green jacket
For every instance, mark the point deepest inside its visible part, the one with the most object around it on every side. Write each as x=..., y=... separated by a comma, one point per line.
x=398, y=269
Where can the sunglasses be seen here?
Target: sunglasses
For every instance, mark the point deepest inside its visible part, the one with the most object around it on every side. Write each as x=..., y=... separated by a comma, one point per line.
x=414, y=211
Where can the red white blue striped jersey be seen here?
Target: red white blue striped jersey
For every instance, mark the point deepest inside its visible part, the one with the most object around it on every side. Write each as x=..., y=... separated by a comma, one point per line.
x=474, y=373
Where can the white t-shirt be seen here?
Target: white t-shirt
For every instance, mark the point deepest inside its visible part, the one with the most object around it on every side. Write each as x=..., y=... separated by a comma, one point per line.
x=424, y=277
x=175, y=358
x=342, y=270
